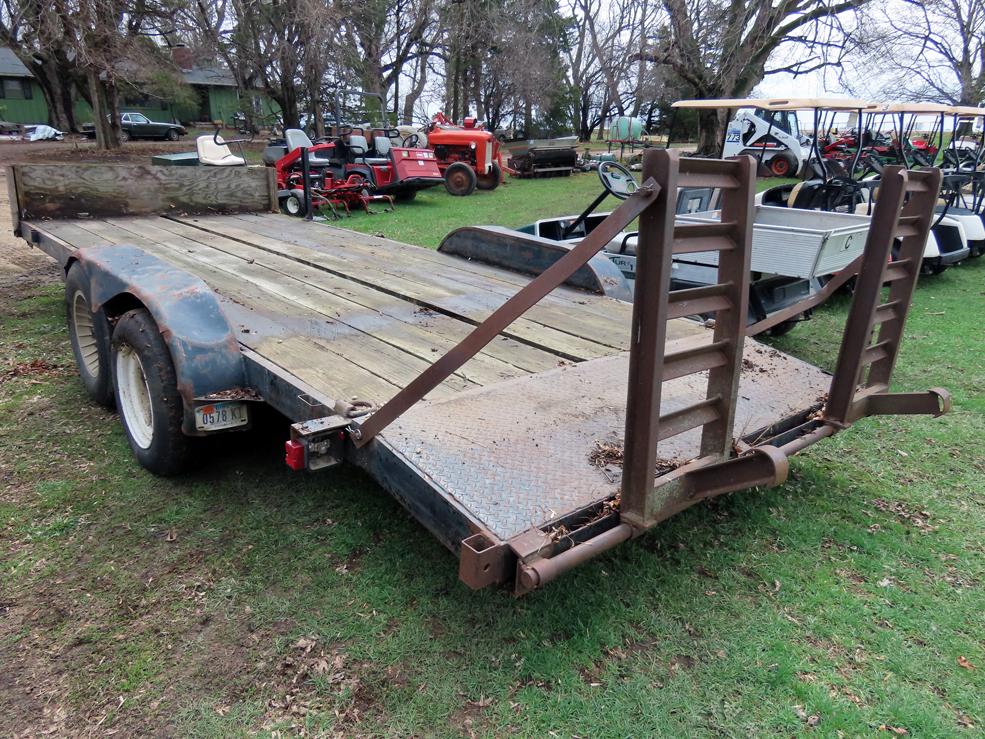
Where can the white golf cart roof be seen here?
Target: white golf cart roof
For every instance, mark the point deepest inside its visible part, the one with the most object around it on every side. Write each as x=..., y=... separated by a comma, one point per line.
x=967, y=111
x=723, y=103
x=916, y=108
x=780, y=104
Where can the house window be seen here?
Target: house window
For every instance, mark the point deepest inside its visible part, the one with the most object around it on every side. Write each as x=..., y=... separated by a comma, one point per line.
x=12, y=88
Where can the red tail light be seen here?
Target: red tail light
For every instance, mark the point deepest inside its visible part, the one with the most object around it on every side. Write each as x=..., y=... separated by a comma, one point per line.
x=294, y=454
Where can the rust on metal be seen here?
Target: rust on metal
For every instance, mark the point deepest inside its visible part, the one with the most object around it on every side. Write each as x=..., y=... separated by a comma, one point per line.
x=484, y=560
x=792, y=311
x=655, y=303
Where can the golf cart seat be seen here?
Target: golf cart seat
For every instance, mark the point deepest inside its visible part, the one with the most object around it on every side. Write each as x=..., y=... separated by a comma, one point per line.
x=297, y=139
x=214, y=152
x=359, y=144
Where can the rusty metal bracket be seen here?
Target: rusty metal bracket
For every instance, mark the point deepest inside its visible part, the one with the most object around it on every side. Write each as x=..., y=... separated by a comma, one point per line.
x=707, y=477
x=484, y=560
x=538, y=572
x=934, y=402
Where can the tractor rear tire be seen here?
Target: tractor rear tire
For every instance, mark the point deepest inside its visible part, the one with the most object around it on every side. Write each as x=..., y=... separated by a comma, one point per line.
x=89, y=333
x=147, y=397
x=490, y=181
x=782, y=165
x=460, y=179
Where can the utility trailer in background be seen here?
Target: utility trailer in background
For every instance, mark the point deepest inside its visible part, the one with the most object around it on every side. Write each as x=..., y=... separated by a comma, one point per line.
x=493, y=406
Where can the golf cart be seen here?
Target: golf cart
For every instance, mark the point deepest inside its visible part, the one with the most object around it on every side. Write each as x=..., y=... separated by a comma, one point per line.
x=833, y=186
x=793, y=252
x=958, y=231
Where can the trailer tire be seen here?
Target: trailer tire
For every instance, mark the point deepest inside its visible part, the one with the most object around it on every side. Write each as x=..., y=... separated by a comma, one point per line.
x=89, y=335
x=147, y=398
x=490, y=181
x=460, y=179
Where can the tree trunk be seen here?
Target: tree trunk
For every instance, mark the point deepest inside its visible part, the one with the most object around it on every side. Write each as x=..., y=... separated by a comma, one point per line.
x=420, y=80
x=710, y=123
x=105, y=112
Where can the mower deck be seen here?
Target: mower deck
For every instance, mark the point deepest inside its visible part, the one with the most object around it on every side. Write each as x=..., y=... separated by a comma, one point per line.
x=503, y=444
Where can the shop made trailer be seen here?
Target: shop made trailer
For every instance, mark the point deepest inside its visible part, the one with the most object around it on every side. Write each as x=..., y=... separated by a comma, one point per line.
x=528, y=422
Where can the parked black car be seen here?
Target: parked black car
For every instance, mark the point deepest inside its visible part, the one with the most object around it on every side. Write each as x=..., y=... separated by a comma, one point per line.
x=139, y=126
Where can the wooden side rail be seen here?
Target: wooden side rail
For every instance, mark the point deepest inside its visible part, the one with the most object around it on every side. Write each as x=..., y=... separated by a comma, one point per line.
x=69, y=191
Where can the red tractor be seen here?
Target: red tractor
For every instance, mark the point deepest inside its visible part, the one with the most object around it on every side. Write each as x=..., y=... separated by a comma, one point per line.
x=468, y=155
x=349, y=159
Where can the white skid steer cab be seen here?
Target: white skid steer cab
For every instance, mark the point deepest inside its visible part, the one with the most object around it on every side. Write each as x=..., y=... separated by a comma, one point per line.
x=772, y=136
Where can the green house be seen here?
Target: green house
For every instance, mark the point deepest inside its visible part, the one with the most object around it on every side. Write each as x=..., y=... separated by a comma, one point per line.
x=21, y=100
x=215, y=97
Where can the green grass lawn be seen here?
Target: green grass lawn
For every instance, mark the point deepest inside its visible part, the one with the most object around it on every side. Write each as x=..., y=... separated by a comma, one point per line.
x=246, y=598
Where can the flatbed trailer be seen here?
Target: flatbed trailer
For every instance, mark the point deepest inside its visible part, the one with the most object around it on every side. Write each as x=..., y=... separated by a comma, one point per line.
x=528, y=422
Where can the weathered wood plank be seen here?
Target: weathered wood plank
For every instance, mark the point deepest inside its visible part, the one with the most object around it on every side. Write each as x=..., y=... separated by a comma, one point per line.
x=283, y=301
x=96, y=190
x=472, y=305
x=595, y=318
x=602, y=320
x=404, y=327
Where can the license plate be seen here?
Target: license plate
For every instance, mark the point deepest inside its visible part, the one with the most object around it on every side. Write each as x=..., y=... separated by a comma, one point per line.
x=218, y=416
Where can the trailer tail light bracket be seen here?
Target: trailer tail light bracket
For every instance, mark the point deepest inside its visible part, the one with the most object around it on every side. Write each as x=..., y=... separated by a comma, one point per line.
x=316, y=444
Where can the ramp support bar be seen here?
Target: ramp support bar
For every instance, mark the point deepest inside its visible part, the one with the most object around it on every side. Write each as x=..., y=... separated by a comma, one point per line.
x=528, y=296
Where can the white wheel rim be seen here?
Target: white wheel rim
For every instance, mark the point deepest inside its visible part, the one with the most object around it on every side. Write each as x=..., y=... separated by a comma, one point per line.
x=85, y=336
x=135, y=402
x=293, y=205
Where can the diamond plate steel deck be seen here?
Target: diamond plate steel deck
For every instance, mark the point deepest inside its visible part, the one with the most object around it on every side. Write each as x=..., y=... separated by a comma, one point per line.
x=516, y=454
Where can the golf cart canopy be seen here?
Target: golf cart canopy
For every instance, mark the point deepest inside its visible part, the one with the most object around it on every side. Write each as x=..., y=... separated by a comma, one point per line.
x=916, y=108
x=779, y=104
x=967, y=111
x=761, y=103
x=832, y=104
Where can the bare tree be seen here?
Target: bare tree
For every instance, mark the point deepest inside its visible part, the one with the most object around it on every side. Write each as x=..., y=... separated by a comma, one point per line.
x=929, y=50
x=723, y=48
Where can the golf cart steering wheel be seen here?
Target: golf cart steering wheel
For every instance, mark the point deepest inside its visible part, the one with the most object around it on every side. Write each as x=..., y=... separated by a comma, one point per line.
x=617, y=180
x=411, y=141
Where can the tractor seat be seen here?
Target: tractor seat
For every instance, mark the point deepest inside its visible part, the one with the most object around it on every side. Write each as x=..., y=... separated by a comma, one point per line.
x=359, y=142
x=297, y=139
x=214, y=152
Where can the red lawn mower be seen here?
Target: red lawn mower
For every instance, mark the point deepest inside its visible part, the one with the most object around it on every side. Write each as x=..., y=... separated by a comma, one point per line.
x=468, y=155
x=347, y=163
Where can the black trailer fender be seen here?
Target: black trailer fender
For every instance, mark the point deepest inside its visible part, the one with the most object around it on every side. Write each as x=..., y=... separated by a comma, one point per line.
x=203, y=346
x=521, y=252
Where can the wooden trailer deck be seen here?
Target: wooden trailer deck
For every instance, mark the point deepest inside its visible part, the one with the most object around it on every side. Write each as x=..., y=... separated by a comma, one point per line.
x=357, y=317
